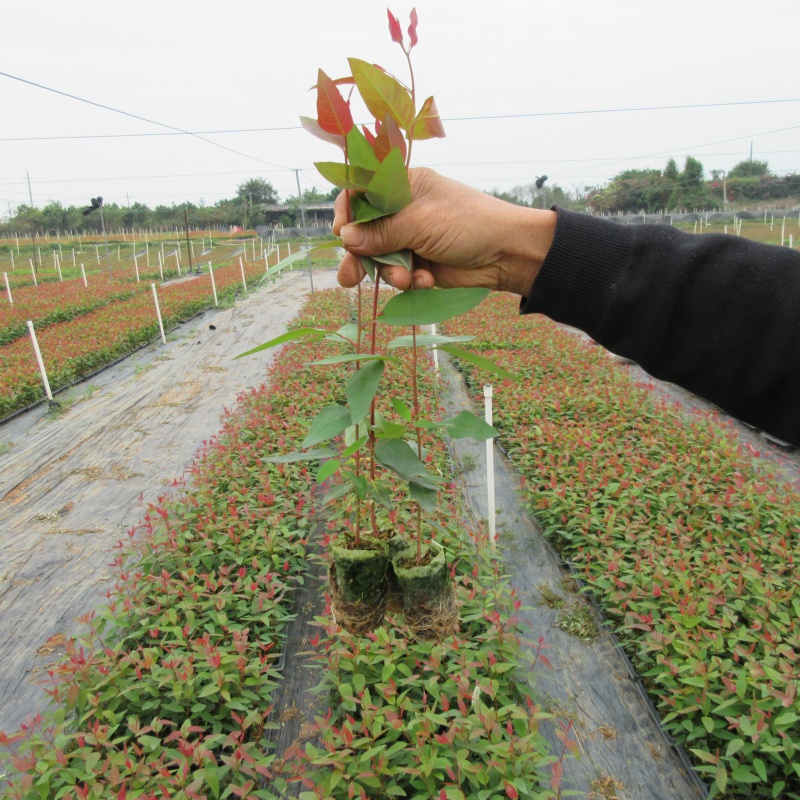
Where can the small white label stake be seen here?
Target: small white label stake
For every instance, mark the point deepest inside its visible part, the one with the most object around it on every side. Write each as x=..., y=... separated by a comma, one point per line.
x=8, y=289
x=487, y=394
x=83, y=273
x=241, y=269
x=39, y=361
x=213, y=284
x=158, y=313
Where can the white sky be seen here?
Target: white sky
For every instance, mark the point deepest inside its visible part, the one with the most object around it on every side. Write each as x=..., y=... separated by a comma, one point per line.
x=204, y=66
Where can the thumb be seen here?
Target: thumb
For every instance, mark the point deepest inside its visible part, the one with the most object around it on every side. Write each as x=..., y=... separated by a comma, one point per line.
x=370, y=238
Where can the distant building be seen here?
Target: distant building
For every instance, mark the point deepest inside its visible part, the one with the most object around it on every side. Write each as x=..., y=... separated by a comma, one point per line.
x=318, y=215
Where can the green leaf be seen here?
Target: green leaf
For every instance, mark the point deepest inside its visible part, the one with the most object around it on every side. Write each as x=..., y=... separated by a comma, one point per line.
x=289, y=336
x=426, y=339
x=734, y=746
x=363, y=211
x=281, y=265
x=400, y=258
x=347, y=333
x=380, y=494
x=329, y=422
x=349, y=357
x=345, y=176
x=424, y=495
x=327, y=469
x=401, y=408
x=479, y=361
x=335, y=492
x=359, y=150
x=309, y=455
x=361, y=388
x=354, y=446
x=426, y=306
x=370, y=267
x=389, y=189
x=397, y=455
x=381, y=93
x=467, y=425
x=387, y=429
x=358, y=482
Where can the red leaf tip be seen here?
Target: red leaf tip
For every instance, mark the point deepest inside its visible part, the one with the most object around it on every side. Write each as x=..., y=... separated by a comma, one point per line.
x=412, y=28
x=394, y=28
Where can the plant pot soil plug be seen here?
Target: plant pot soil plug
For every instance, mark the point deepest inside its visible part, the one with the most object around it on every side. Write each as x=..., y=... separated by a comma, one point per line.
x=359, y=584
x=429, y=598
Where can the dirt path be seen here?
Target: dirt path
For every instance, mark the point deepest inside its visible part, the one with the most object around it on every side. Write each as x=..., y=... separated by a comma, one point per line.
x=70, y=485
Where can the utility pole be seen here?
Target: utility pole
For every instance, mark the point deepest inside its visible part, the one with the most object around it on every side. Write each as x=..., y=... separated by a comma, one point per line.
x=188, y=243
x=303, y=218
x=33, y=226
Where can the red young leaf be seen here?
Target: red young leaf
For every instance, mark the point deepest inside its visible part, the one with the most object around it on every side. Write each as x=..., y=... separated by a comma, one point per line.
x=333, y=112
x=389, y=136
x=394, y=28
x=412, y=28
x=382, y=93
x=427, y=124
x=368, y=135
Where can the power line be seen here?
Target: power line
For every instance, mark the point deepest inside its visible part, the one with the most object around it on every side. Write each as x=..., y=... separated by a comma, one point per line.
x=199, y=134
x=136, y=116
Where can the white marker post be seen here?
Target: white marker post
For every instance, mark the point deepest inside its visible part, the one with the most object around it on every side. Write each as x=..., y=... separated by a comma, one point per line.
x=266, y=262
x=147, y=251
x=213, y=284
x=8, y=289
x=161, y=266
x=158, y=314
x=39, y=360
x=97, y=252
x=487, y=394
x=783, y=231
x=74, y=263
x=33, y=272
x=435, y=349
x=12, y=260
x=136, y=267
x=83, y=273
x=58, y=266
x=241, y=269
x=178, y=262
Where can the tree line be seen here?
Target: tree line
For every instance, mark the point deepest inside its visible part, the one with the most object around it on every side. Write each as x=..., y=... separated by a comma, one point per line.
x=670, y=189
x=244, y=209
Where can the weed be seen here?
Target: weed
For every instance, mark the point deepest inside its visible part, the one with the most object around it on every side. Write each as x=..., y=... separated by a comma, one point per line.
x=550, y=598
x=577, y=620
x=5, y=447
x=469, y=461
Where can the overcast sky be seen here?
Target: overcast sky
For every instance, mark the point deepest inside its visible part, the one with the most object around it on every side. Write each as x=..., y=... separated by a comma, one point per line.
x=504, y=73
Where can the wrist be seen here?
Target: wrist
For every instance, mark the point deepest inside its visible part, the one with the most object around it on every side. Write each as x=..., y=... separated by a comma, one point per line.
x=527, y=240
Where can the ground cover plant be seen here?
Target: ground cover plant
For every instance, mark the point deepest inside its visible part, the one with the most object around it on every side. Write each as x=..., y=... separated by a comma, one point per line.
x=168, y=693
x=122, y=319
x=689, y=545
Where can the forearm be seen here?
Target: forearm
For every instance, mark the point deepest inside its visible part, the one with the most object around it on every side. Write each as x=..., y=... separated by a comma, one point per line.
x=717, y=315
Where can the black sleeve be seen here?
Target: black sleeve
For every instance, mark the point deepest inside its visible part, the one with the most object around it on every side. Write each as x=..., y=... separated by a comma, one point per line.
x=718, y=315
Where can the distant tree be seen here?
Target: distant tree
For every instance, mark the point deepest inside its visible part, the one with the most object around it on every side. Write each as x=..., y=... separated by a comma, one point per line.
x=750, y=169
x=671, y=173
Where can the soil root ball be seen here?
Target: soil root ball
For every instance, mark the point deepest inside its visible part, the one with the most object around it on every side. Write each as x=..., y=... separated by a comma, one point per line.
x=357, y=618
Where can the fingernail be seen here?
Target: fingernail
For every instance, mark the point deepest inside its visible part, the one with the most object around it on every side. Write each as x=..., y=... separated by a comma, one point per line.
x=352, y=236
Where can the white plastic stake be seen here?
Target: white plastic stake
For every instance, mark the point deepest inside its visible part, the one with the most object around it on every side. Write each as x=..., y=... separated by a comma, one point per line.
x=147, y=250
x=158, y=314
x=278, y=251
x=12, y=260
x=241, y=269
x=136, y=267
x=266, y=262
x=695, y=226
x=33, y=272
x=58, y=266
x=487, y=394
x=39, y=360
x=74, y=264
x=119, y=256
x=97, y=252
x=791, y=240
x=178, y=262
x=8, y=289
x=213, y=284
x=783, y=231
x=435, y=349
x=83, y=273
x=161, y=266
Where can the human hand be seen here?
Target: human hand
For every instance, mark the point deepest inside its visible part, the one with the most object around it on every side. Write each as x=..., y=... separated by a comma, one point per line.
x=460, y=238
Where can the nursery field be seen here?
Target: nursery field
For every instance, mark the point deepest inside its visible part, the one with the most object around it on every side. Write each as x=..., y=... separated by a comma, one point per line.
x=686, y=541
x=82, y=325
x=169, y=690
